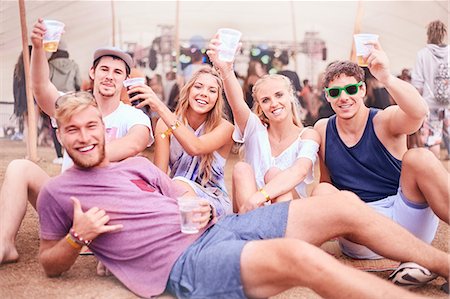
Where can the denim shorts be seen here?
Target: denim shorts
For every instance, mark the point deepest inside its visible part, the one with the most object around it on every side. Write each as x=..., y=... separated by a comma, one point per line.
x=210, y=267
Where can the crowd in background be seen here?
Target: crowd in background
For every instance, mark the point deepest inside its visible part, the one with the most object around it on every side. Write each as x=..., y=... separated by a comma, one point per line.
x=314, y=106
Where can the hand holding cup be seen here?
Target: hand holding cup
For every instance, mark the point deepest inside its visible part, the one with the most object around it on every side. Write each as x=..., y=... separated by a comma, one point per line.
x=363, y=46
x=194, y=212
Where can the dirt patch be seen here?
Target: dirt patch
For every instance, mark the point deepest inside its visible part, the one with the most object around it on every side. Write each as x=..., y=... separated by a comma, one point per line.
x=25, y=279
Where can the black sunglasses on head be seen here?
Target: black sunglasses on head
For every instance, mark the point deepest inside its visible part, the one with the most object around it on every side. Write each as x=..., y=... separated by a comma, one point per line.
x=350, y=89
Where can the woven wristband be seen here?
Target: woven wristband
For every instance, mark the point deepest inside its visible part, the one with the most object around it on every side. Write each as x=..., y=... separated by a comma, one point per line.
x=72, y=242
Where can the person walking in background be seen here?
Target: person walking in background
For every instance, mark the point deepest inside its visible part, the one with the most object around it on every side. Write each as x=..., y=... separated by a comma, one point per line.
x=431, y=78
x=65, y=75
x=279, y=152
x=292, y=75
x=20, y=96
x=195, y=140
x=254, y=72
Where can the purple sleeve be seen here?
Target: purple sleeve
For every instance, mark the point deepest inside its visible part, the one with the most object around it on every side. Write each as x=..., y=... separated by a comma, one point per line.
x=53, y=220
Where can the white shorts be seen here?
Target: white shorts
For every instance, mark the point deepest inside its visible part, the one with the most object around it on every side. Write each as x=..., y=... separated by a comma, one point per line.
x=419, y=219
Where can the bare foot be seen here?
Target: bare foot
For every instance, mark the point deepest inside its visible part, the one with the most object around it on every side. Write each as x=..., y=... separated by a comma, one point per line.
x=8, y=254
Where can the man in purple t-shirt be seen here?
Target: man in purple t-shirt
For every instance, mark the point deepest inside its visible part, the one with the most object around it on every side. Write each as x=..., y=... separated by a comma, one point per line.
x=127, y=214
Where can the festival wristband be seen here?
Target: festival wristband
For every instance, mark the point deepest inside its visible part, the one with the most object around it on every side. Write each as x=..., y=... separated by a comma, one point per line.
x=170, y=129
x=264, y=193
x=72, y=242
x=78, y=239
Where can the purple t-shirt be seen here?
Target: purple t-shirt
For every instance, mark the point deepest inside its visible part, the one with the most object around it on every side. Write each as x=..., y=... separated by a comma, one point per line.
x=134, y=193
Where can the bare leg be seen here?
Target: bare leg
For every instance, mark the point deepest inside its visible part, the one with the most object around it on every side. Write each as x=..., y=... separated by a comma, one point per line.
x=321, y=218
x=270, y=174
x=424, y=179
x=324, y=189
x=436, y=150
x=297, y=263
x=22, y=183
x=244, y=184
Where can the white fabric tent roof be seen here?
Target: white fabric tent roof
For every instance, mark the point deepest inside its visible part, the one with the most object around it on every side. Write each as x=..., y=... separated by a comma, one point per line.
x=400, y=24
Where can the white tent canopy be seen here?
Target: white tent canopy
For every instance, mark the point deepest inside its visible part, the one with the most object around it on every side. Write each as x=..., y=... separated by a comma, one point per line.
x=400, y=24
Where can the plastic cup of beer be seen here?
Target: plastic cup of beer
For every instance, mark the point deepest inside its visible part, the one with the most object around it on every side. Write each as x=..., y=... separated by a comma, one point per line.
x=52, y=35
x=229, y=41
x=187, y=205
x=131, y=82
x=362, y=48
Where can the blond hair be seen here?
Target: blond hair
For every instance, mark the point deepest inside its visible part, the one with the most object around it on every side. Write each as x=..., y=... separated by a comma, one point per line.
x=213, y=119
x=436, y=32
x=72, y=103
x=291, y=92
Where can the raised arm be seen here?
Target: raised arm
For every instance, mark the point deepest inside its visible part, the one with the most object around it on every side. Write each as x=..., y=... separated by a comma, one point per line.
x=233, y=90
x=44, y=91
x=193, y=145
x=411, y=108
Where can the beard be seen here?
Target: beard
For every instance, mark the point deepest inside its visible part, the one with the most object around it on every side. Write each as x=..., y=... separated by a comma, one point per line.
x=107, y=92
x=89, y=161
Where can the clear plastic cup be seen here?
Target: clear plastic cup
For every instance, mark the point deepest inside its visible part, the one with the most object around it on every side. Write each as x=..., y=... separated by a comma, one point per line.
x=52, y=35
x=362, y=49
x=187, y=205
x=229, y=39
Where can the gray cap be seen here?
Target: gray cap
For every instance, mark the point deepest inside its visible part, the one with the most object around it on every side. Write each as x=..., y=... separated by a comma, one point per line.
x=113, y=51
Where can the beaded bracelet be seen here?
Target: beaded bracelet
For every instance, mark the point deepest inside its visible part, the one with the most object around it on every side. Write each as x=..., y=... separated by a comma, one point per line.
x=170, y=129
x=78, y=239
x=264, y=193
x=73, y=242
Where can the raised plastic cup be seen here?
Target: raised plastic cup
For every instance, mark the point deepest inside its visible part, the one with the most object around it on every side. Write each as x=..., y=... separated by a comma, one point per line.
x=131, y=82
x=229, y=41
x=187, y=205
x=362, y=48
x=52, y=35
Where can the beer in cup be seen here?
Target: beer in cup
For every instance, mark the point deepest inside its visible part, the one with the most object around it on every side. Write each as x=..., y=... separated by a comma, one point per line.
x=131, y=82
x=52, y=35
x=362, y=48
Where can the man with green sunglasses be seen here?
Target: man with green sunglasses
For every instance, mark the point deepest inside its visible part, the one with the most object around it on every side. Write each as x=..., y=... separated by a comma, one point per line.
x=364, y=150
x=350, y=89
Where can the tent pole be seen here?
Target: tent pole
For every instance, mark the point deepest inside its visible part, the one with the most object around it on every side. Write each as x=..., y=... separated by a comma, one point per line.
x=294, y=36
x=113, y=19
x=177, y=34
x=32, y=129
x=357, y=28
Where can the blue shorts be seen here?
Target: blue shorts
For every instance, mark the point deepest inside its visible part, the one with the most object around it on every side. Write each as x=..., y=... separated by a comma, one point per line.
x=210, y=267
x=418, y=219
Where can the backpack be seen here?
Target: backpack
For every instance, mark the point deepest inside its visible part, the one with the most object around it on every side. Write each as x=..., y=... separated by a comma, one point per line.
x=442, y=84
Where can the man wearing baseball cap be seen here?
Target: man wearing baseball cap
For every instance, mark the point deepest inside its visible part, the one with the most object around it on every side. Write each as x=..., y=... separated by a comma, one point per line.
x=128, y=130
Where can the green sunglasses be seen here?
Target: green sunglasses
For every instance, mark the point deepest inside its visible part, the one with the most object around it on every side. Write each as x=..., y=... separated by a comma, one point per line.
x=350, y=89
